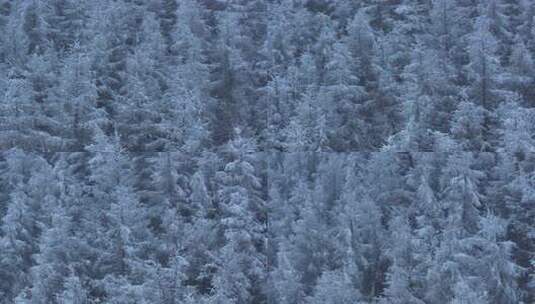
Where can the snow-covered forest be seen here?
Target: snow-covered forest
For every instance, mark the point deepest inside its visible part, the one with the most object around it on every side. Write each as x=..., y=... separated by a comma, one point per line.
x=267, y=151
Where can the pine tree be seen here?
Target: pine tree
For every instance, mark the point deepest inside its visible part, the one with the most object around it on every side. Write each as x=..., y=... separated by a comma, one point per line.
x=54, y=257
x=515, y=127
x=286, y=288
x=241, y=258
x=226, y=62
x=34, y=28
x=22, y=225
x=400, y=274
x=75, y=95
x=166, y=11
x=16, y=104
x=519, y=198
x=15, y=40
x=110, y=54
x=65, y=23
x=6, y=9
x=468, y=126
x=520, y=78
x=427, y=214
x=466, y=294
x=377, y=107
x=334, y=287
x=366, y=236
x=484, y=70
x=74, y=292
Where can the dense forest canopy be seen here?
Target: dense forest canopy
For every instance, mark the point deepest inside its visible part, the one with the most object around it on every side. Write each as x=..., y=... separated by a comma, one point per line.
x=267, y=151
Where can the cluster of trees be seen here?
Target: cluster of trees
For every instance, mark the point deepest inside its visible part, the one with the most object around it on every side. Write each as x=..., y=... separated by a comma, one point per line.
x=110, y=227
x=402, y=228
x=276, y=228
x=299, y=75
x=350, y=76
x=162, y=75
x=267, y=151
